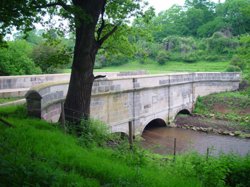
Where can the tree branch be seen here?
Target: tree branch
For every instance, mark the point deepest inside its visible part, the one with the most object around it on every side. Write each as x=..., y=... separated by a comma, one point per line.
x=99, y=31
x=106, y=36
x=58, y=3
x=99, y=77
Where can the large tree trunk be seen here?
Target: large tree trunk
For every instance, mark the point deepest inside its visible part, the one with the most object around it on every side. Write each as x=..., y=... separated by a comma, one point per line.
x=77, y=103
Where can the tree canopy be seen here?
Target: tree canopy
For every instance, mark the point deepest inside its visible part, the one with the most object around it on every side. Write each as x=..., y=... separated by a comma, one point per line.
x=92, y=21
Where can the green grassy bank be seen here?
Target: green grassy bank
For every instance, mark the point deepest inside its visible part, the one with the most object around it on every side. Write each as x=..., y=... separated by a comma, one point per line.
x=232, y=106
x=154, y=67
x=36, y=153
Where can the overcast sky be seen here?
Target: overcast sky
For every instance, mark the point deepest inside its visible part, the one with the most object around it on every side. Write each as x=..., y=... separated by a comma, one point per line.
x=161, y=5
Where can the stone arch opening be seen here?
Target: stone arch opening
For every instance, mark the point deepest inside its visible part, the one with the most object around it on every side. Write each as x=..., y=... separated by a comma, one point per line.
x=156, y=123
x=182, y=118
x=184, y=111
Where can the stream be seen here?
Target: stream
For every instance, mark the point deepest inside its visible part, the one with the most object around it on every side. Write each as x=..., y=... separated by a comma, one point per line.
x=161, y=140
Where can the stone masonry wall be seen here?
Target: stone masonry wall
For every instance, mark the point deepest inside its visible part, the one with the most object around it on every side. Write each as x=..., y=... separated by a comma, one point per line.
x=141, y=99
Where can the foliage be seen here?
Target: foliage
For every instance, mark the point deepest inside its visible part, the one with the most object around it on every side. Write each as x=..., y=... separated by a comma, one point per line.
x=219, y=43
x=15, y=59
x=5, y=100
x=93, y=133
x=162, y=57
x=243, y=54
x=51, y=56
x=236, y=104
x=35, y=153
x=232, y=68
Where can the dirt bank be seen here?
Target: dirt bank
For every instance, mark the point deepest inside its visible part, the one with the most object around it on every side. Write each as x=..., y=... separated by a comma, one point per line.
x=212, y=125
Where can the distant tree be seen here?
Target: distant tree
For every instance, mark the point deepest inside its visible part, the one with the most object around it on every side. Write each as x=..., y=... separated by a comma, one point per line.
x=51, y=56
x=169, y=22
x=236, y=13
x=15, y=59
x=242, y=59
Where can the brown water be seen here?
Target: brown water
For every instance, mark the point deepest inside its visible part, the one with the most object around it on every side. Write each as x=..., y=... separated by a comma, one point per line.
x=161, y=140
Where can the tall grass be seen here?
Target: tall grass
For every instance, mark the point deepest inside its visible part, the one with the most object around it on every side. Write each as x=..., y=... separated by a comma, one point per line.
x=36, y=153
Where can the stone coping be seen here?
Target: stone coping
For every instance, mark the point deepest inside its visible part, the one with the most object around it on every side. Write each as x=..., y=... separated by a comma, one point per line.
x=48, y=84
x=118, y=77
x=37, y=75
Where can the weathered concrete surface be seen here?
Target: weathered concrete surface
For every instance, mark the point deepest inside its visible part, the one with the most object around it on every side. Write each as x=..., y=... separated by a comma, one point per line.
x=17, y=86
x=141, y=99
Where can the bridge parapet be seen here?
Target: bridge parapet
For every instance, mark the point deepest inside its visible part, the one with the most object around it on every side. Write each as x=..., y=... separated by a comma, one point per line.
x=140, y=99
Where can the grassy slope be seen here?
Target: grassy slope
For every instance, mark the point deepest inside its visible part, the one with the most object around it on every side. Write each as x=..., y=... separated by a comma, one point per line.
x=5, y=100
x=154, y=67
x=36, y=153
x=233, y=106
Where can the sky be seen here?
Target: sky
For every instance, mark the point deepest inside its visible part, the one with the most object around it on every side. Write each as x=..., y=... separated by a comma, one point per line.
x=161, y=5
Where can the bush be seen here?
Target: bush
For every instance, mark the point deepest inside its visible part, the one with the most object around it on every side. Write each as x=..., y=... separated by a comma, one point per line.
x=212, y=58
x=15, y=60
x=116, y=60
x=162, y=57
x=51, y=56
x=231, y=68
x=190, y=57
x=221, y=44
x=92, y=133
x=237, y=61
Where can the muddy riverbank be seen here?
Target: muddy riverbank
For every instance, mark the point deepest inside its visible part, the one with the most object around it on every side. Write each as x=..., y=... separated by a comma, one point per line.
x=212, y=125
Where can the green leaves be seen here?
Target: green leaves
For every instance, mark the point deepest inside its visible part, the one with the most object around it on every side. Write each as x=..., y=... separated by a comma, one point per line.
x=14, y=60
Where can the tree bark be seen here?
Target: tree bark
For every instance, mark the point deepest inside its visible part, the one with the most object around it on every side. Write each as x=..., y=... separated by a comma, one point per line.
x=77, y=103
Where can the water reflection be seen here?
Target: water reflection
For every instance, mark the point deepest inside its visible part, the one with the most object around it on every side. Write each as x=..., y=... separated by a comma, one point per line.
x=161, y=140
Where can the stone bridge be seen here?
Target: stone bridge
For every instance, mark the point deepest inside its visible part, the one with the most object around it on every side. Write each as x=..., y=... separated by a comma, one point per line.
x=139, y=99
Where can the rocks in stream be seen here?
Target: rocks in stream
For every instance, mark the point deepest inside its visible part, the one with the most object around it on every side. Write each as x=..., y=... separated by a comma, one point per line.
x=216, y=131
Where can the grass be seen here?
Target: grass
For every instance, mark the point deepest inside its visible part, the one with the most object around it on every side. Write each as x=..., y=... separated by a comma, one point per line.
x=232, y=106
x=154, y=67
x=36, y=153
x=5, y=100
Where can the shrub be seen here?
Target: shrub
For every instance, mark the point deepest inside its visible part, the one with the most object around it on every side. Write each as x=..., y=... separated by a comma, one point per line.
x=232, y=68
x=190, y=57
x=162, y=57
x=212, y=58
x=92, y=133
x=15, y=60
x=237, y=61
x=115, y=60
x=51, y=56
x=221, y=44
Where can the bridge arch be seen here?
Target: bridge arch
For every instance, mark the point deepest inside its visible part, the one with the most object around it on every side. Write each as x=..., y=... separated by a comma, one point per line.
x=158, y=122
x=182, y=111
